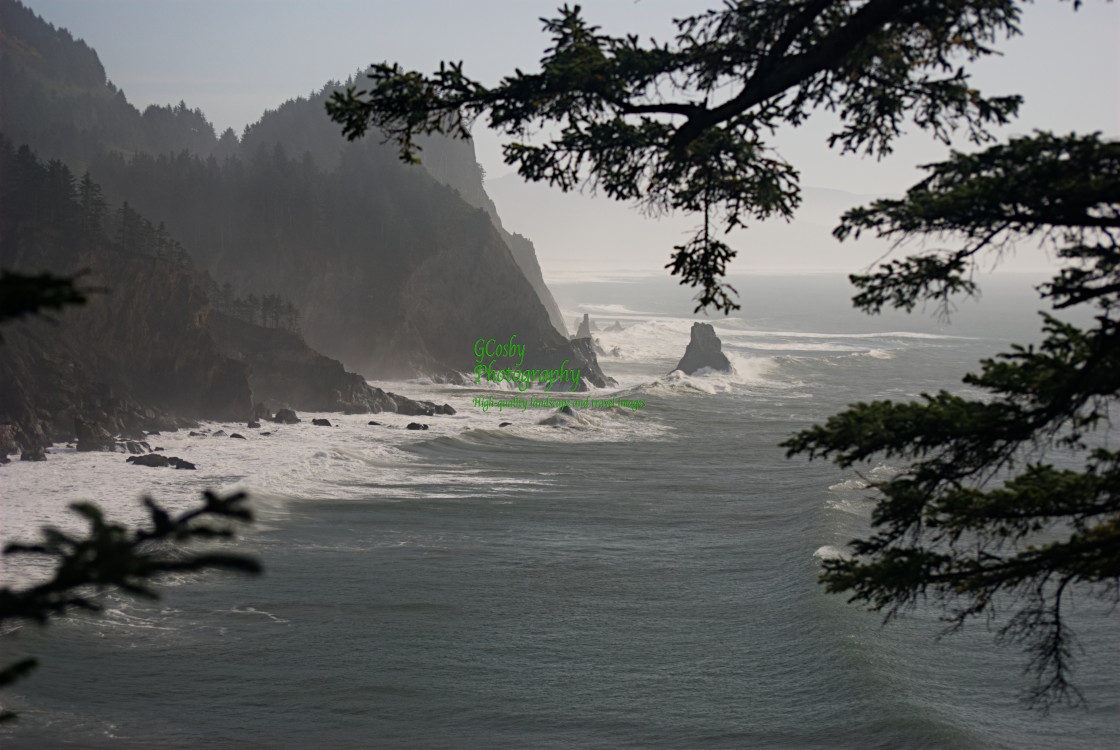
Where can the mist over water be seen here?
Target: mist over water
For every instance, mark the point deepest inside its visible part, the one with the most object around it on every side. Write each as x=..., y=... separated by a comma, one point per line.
x=628, y=579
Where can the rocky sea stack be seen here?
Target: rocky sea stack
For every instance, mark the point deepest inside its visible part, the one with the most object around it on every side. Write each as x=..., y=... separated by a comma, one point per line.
x=704, y=350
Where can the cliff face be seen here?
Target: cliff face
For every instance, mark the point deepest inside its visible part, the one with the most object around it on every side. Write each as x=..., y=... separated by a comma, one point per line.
x=286, y=373
x=453, y=163
x=146, y=352
x=466, y=291
x=394, y=273
x=137, y=357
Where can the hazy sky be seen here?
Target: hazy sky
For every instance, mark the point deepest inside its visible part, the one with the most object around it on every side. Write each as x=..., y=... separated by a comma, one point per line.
x=236, y=58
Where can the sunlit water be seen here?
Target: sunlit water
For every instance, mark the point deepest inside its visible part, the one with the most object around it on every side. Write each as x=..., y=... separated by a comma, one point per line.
x=631, y=579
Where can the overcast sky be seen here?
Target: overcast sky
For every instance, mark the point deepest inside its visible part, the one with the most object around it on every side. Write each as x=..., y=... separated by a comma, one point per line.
x=236, y=58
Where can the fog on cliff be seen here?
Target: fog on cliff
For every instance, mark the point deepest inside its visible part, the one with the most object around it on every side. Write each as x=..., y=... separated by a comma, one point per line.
x=235, y=59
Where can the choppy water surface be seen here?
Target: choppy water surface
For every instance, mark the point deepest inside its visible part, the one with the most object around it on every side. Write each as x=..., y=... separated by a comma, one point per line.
x=630, y=579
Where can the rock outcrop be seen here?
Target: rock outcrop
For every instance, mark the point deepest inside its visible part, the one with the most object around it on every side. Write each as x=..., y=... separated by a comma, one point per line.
x=704, y=350
x=453, y=163
x=155, y=460
x=583, y=331
x=286, y=373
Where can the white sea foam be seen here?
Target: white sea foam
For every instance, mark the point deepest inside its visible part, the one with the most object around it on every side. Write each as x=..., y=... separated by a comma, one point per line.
x=828, y=552
x=852, y=505
x=849, y=484
x=351, y=460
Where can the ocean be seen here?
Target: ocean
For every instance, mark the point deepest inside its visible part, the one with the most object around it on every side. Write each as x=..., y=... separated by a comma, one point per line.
x=631, y=578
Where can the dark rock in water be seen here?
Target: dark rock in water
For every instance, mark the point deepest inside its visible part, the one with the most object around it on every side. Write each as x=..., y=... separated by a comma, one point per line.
x=237, y=435
x=265, y=434
x=567, y=410
x=286, y=416
x=36, y=453
x=219, y=433
x=505, y=424
x=417, y=426
x=150, y=459
x=704, y=350
x=157, y=461
x=92, y=436
x=374, y=423
x=321, y=422
x=253, y=424
x=158, y=448
x=192, y=433
x=152, y=433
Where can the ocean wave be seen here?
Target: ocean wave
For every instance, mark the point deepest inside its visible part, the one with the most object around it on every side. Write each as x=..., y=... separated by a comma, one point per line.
x=849, y=484
x=828, y=552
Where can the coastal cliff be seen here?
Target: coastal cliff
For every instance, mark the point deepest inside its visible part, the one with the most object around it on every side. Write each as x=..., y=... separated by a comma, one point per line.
x=341, y=229
x=147, y=352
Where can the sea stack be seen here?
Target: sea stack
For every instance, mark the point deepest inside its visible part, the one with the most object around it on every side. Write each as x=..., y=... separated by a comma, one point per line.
x=704, y=350
x=584, y=331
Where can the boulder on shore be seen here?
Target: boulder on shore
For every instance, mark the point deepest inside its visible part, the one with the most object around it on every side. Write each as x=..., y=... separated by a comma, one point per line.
x=152, y=459
x=704, y=350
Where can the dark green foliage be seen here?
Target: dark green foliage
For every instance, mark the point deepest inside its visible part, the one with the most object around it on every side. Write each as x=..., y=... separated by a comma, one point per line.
x=30, y=294
x=43, y=195
x=683, y=125
x=112, y=557
x=41, y=201
x=269, y=311
x=980, y=519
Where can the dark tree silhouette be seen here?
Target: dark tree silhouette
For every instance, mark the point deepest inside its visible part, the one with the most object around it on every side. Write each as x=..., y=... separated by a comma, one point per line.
x=980, y=520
